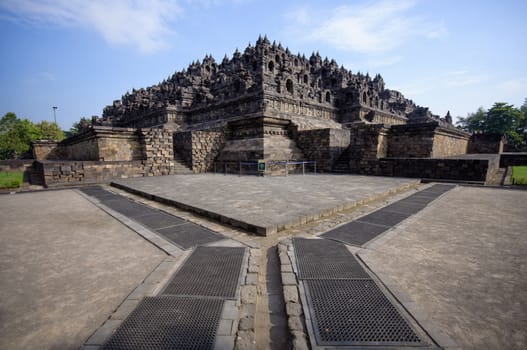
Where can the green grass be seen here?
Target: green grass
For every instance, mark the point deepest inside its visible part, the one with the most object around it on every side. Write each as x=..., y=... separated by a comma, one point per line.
x=11, y=179
x=519, y=175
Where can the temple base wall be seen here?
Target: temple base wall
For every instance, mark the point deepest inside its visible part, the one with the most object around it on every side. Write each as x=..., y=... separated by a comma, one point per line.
x=323, y=145
x=472, y=170
x=199, y=149
x=485, y=143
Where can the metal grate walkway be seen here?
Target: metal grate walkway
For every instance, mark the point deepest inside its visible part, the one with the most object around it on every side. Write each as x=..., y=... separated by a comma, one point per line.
x=365, y=228
x=209, y=272
x=169, y=322
x=182, y=233
x=187, y=314
x=346, y=306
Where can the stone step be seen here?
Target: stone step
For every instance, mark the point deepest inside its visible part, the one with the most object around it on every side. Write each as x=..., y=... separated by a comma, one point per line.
x=180, y=167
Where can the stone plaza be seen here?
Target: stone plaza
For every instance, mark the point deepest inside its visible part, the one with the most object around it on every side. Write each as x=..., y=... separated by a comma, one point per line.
x=267, y=201
x=455, y=266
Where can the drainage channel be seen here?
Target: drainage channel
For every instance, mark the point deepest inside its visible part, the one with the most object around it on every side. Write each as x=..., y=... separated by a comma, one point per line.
x=346, y=306
x=188, y=312
x=181, y=233
x=366, y=228
x=198, y=307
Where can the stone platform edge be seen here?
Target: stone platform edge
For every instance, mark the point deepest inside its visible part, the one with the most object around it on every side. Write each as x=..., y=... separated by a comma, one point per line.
x=267, y=230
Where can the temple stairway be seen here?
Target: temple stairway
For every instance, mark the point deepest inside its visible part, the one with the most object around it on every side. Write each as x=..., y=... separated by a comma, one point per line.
x=180, y=167
x=342, y=163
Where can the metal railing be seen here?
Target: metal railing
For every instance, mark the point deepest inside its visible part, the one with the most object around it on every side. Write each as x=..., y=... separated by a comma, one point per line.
x=271, y=167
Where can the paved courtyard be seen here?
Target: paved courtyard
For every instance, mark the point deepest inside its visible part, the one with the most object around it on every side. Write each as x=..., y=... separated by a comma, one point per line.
x=463, y=261
x=67, y=265
x=267, y=204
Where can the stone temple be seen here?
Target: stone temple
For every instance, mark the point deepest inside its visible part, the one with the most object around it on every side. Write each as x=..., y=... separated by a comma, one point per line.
x=266, y=104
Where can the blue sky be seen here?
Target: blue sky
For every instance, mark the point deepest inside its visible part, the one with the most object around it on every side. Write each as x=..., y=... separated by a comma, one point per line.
x=80, y=55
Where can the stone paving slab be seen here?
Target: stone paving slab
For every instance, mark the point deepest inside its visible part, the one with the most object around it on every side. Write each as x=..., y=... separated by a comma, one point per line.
x=462, y=261
x=265, y=205
x=65, y=266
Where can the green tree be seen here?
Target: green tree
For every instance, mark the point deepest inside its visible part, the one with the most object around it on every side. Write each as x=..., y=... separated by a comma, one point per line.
x=474, y=122
x=50, y=131
x=502, y=119
x=16, y=135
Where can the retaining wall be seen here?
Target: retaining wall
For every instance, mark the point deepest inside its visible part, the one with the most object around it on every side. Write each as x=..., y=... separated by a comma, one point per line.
x=474, y=170
x=323, y=145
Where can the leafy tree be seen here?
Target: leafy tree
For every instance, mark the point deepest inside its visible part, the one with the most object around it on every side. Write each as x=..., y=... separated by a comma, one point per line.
x=7, y=122
x=474, y=122
x=502, y=119
x=50, y=131
x=16, y=135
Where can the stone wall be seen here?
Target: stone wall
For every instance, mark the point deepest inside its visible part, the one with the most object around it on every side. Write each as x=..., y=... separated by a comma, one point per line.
x=75, y=173
x=199, y=149
x=368, y=141
x=46, y=149
x=159, y=151
x=85, y=148
x=411, y=141
x=425, y=140
x=474, y=170
x=323, y=145
x=99, y=143
x=448, y=143
x=154, y=145
x=485, y=143
x=512, y=159
x=206, y=145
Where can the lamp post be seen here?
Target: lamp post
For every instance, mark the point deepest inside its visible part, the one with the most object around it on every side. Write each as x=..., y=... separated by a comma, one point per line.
x=55, y=114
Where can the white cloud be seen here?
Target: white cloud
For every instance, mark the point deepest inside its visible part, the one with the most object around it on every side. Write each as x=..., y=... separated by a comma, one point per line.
x=370, y=28
x=144, y=24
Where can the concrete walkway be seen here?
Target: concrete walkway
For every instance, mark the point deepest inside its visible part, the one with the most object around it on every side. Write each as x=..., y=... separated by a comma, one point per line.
x=65, y=266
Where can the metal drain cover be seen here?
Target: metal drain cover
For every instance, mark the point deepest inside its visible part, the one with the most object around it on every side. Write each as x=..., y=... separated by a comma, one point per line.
x=159, y=220
x=356, y=312
x=189, y=235
x=417, y=200
x=98, y=193
x=405, y=208
x=169, y=322
x=355, y=232
x=129, y=208
x=439, y=188
x=384, y=217
x=316, y=259
x=319, y=247
x=209, y=272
